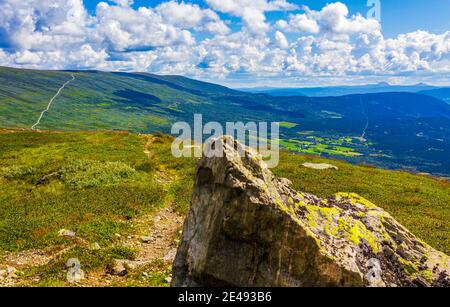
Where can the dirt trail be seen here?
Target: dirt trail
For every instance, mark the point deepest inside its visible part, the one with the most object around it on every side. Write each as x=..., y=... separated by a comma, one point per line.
x=51, y=101
x=154, y=239
x=363, y=135
x=163, y=226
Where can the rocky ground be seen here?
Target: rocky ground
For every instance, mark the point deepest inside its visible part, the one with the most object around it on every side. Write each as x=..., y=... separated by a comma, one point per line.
x=154, y=240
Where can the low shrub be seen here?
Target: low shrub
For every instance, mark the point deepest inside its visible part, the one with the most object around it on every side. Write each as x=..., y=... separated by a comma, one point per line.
x=17, y=172
x=87, y=174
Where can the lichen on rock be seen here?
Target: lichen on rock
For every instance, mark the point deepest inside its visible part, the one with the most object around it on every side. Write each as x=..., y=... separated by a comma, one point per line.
x=246, y=227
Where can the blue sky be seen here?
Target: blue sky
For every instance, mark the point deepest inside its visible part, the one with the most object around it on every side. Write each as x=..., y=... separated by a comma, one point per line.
x=398, y=16
x=234, y=42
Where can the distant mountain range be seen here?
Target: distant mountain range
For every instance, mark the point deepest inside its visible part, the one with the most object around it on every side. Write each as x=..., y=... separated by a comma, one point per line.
x=383, y=87
x=392, y=130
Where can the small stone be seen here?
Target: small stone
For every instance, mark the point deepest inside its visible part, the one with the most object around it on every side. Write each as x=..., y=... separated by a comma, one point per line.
x=147, y=239
x=157, y=219
x=320, y=166
x=168, y=279
x=118, y=268
x=66, y=233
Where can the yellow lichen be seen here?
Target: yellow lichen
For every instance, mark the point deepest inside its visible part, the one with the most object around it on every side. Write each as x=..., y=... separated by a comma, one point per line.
x=409, y=267
x=355, y=231
x=329, y=220
x=427, y=275
x=356, y=199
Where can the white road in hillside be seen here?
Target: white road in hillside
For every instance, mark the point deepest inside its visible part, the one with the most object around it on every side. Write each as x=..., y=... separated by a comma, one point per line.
x=51, y=101
x=363, y=135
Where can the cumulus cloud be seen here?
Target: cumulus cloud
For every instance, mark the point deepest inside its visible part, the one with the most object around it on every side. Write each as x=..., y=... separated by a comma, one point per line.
x=191, y=16
x=332, y=19
x=251, y=11
x=182, y=38
x=123, y=2
x=281, y=40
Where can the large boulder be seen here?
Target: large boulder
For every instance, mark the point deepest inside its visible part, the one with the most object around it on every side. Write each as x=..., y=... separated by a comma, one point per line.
x=246, y=227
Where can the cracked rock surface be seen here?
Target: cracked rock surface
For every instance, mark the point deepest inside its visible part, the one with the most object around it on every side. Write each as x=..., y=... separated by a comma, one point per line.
x=246, y=227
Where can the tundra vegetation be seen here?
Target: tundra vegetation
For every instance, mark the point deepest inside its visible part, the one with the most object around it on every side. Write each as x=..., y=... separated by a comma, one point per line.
x=98, y=184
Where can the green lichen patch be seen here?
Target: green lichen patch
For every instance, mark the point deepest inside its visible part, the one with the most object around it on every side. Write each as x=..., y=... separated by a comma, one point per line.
x=355, y=199
x=332, y=221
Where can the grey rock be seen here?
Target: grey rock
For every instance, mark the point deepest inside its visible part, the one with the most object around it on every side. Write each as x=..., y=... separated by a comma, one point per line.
x=170, y=255
x=118, y=268
x=245, y=227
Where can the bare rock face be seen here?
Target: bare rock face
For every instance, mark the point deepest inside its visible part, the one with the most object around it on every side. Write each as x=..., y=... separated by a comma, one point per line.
x=246, y=227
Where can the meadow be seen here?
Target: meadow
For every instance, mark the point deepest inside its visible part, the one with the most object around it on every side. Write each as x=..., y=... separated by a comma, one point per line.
x=98, y=183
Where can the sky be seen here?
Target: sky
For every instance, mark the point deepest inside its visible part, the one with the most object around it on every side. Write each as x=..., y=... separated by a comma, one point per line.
x=238, y=43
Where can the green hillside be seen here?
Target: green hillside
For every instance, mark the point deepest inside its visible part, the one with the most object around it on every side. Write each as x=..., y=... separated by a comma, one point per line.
x=390, y=130
x=102, y=184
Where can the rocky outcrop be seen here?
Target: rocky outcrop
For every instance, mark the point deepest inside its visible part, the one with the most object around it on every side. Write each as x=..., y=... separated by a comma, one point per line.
x=246, y=227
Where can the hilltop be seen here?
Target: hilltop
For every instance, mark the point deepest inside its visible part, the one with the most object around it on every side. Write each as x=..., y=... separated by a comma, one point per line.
x=114, y=188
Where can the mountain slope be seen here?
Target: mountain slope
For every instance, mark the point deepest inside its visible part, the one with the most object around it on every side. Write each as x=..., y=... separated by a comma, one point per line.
x=439, y=93
x=382, y=87
x=393, y=130
x=33, y=210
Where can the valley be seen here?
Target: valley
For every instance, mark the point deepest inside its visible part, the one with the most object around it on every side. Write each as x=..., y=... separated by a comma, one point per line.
x=405, y=131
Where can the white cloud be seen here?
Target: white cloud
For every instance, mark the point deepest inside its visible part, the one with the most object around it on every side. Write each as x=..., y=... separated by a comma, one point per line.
x=332, y=19
x=123, y=2
x=299, y=23
x=27, y=57
x=191, y=16
x=251, y=11
x=182, y=38
x=281, y=40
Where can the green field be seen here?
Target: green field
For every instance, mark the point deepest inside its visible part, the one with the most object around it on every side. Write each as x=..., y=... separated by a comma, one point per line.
x=97, y=184
x=118, y=183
